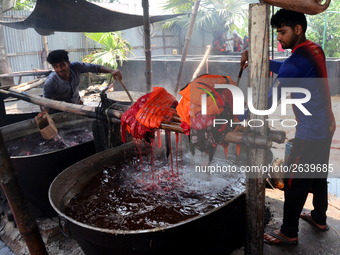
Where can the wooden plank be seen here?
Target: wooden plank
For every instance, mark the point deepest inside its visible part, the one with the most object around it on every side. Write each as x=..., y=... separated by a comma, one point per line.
x=26, y=73
x=258, y=80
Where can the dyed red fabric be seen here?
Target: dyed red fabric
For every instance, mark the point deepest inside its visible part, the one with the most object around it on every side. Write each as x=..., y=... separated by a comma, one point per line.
x=146, y=115
x=157, y=108
x=129, y=122
x=186, y=128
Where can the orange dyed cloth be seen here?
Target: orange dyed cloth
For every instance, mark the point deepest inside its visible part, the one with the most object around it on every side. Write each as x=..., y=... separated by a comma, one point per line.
x=204, y=136
x=190, y=103
x=156, y=109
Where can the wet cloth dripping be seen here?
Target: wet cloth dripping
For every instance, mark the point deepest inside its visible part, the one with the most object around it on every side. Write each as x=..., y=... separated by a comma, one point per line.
x=202, y=134
x=145, y=116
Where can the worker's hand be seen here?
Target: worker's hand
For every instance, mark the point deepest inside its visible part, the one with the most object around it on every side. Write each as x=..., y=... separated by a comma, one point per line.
x=244, y=59
x=41, y=114
x=117, y=74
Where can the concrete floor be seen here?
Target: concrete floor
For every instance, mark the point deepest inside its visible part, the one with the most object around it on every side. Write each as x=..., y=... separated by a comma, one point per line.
x=311, y=240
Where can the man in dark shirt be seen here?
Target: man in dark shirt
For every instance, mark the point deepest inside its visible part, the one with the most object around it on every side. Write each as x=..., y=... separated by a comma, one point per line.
x=62, y=85
x=308, y=162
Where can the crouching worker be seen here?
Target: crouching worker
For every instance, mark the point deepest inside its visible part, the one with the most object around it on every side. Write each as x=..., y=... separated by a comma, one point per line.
x=62, y=85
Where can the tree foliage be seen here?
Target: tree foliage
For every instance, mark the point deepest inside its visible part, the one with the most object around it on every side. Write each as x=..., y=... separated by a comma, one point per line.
x=114, y=49
x=25, y=5
x=332, y=36
x=215, y=16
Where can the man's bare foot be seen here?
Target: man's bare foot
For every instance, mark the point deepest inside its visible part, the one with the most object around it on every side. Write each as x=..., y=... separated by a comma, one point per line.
x=276, y=237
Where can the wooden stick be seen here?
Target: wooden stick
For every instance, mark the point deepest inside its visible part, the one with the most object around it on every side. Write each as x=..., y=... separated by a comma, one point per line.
x=186, y=46
x=26, y=223
x=26, y=73
x=126, y=90
x=239, y=75
x=147, y=45
x=29, y=85
x=204, y=59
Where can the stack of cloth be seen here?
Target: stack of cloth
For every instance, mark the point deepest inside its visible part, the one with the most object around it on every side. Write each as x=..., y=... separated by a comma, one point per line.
x=199, y=128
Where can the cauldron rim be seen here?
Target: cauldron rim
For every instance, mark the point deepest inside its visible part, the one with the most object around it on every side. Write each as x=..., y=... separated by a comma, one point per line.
x=125, y=232
x=47, y=153
x=61, y=114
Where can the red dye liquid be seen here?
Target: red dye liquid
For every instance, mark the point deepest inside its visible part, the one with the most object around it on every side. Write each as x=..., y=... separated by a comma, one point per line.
x=181, y=153
x=34, y=144
x=171, y=159
x=116, y=198
x=138, y=145
x=176, y=154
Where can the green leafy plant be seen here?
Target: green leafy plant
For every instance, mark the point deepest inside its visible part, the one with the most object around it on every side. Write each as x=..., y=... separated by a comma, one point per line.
x=215, y=16
x=25, y=5
x=114, y=49
x=332, y=34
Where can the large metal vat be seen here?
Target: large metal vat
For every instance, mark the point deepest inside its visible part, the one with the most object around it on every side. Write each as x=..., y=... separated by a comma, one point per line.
x=36, y=172
x=219, y=230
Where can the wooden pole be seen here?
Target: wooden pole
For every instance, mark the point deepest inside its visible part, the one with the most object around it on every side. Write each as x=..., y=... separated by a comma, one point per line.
x=186, y=46
x=258, y=80
x=147, y=45
x=45, y=63
x=27, y=225
x=203, y=61
x=115, y=115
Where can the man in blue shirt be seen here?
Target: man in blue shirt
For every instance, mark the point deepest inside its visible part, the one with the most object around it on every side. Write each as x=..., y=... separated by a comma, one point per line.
x=308, y=161
x=62, y=85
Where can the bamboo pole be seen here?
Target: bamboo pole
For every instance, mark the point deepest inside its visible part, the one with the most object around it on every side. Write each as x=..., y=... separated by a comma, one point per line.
x=115, y=115
x=186, y=46
x=147, y=45
x=25, y=73
x=258, y=79
x=204, y=59
x=29, y=85
x=27, y=225
x=83, y=110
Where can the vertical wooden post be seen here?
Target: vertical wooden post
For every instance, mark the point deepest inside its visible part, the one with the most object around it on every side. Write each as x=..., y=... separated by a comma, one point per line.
x=3, y=116
x=186, y=46
x=164, y=42
x=27, y=225
x=147, y=45
x=45, y=64
x=258, y=80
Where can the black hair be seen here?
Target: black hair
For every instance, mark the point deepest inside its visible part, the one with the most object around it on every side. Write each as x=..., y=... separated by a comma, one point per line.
x=57, y=56
x=288, y=18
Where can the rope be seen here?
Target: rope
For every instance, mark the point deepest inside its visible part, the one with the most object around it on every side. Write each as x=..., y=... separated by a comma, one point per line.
x=249, y=142
x=109, y=125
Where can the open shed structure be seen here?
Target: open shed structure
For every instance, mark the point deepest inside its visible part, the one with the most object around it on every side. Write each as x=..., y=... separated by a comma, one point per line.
x=72, y=16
